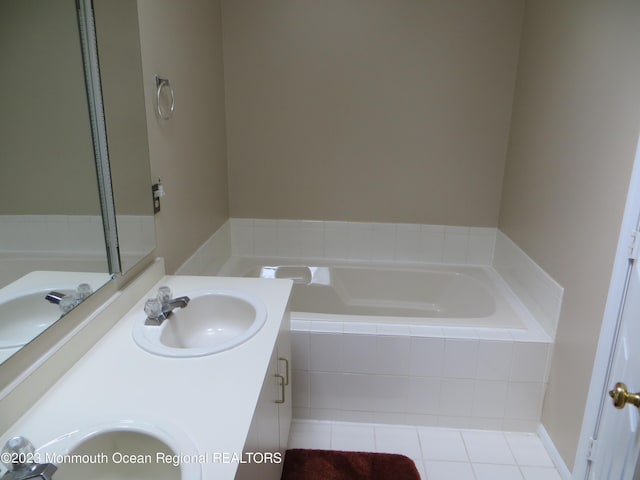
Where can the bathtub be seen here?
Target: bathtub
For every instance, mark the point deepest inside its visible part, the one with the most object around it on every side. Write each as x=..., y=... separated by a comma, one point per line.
x=437, y=345
x=453, y=296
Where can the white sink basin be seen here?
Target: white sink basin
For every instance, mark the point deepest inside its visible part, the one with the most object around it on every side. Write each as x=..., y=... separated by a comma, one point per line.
x=109, y=447
x=212, y=322
x=124, y=450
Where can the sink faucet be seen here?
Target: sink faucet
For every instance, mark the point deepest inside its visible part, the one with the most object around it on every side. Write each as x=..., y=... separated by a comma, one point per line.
x=171, y=305
x=20, y=455
x=160, y=308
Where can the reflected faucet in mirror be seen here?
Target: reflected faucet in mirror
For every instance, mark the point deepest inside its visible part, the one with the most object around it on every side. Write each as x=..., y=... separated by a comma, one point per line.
x=67, y=302
x=26, y=313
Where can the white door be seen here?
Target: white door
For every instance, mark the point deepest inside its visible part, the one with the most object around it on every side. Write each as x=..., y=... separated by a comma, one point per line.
x=617, y=433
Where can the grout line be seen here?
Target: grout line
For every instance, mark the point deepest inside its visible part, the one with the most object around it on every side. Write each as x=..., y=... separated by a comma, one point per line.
x=416, y=430
x=420, y=445
x=466, y=448
x=331, y=434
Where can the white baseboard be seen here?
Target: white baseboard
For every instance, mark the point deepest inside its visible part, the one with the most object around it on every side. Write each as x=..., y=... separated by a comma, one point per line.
x=556, y=458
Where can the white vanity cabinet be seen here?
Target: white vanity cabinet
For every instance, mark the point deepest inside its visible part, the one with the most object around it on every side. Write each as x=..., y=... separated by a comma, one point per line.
x=264, y=449
x=234, y=424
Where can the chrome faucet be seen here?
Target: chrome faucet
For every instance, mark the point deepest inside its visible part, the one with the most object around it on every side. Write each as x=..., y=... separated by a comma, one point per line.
x=18, y=454
x=54, y=297
x=66, y=302
x=160, y=308
x=171, y=305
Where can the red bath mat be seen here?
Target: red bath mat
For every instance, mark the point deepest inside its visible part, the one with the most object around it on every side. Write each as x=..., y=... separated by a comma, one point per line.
x=303, y=464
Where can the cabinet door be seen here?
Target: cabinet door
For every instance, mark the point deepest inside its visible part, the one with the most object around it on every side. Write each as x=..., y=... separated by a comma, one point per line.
x=264, y=437
x=269, y=431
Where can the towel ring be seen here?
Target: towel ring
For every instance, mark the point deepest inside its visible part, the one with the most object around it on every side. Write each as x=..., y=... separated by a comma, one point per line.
x=162, y=83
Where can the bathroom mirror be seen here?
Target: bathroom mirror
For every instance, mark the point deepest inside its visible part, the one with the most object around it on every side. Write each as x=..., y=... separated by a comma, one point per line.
x=120, y=64
x=52, y=234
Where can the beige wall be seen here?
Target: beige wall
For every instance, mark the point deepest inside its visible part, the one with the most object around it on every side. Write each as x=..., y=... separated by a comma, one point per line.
x=575, y=127
x=184, y=44
x=369, y=110
x=46, y=152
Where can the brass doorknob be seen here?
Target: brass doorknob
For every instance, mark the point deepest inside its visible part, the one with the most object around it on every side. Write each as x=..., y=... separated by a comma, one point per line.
x=621, y=396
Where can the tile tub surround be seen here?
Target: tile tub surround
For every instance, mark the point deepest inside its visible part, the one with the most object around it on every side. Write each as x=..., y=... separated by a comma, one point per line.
x=362, y=241
x=535, y=288
x=385, y=242
x=449, y=378
x=404, y=244
x=211, y=255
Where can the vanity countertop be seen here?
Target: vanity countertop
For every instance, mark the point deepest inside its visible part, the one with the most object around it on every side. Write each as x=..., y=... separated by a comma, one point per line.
x=207, y=402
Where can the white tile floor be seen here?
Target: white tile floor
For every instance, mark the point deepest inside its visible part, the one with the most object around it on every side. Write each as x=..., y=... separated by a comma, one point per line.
x=439, y=453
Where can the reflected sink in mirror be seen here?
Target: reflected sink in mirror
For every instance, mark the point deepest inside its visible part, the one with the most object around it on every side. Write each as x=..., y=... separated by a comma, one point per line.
x=24, y=312
x=52, y=208
x=212, y=322
x=26, y=316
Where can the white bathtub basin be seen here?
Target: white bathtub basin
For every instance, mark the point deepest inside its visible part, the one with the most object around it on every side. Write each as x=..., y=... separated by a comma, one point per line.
x=429, y=295
x=212, y=322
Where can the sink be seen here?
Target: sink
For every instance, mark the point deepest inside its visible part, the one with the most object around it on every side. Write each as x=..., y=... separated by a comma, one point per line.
x=107, y=450
x=214, y=321
x=124, y=451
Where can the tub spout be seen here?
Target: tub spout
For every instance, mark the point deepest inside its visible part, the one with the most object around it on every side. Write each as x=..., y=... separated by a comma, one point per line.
x=54, y=297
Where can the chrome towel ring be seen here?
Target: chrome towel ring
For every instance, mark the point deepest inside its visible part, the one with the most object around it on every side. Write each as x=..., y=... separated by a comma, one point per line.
x=165, y=113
